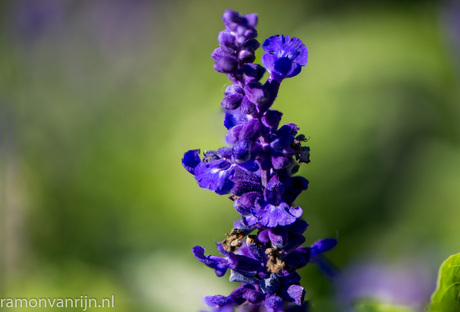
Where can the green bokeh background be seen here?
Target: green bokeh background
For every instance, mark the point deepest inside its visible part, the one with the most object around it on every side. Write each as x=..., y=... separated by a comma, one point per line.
x=100, y=99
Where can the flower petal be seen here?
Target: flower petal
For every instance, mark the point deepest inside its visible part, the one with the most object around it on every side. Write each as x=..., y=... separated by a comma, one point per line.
x=215, y=176
x=281, y=215
x=322, y=246
x=297, y=293
x=191, y=160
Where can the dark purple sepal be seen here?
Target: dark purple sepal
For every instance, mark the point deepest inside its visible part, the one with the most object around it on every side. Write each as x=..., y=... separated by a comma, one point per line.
x=278, y=236
x=244, y=34
x=241, y=151
x=247, y=107
x=255, y=250
x=271, y=87
x=254, y=296
x=255, y=93
x=233, y=134
x=226, y=64
x=234, y=89
x=238, y=294
x=298, y=258
x=191, y=160
x=293, y=241
x=247, y=292
x=282, y=145
x=273, y=191
x=250, y=130
x=246, y=264
x=247, y=171
x=235, y=76
x=246, y=56
x=251, y=45
x=241, y=186
x=253, y=72
x=245, y=203
x=218, y=53
x=289, y=129
x=271, y=119
x=231, y=102
x=263, y=236
x=280, y=162
x=227, y=42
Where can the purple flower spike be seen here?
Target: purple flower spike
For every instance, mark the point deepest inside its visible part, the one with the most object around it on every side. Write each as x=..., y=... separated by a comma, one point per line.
x=256, y=169
x=285, y=56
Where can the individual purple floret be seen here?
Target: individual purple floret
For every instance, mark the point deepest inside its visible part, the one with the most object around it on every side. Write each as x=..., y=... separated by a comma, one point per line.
x=257, y=170
x=285, y=56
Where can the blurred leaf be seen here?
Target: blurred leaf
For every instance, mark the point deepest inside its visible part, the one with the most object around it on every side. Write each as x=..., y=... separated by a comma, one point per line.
x=373, y=306
x=446, y=297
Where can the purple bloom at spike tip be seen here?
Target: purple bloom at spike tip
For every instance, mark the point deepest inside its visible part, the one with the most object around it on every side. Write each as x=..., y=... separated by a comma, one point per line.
x=285, y=56
x=257, y=169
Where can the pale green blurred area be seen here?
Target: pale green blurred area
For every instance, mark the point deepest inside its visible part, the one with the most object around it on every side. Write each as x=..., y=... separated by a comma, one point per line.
x=100, y=99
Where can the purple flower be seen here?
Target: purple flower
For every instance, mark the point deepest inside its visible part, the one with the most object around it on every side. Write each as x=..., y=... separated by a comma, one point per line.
x=272, y=216
x=216, y=175
x=285, y=56
x=264, y=249
x=230, y=260
x=218, y=172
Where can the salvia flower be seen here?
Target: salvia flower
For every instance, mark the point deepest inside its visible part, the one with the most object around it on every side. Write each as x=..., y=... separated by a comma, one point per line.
x=285, y=56
x=257, y=170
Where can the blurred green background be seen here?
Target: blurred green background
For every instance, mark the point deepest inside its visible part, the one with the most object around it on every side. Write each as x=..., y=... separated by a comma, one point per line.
x=100, y=99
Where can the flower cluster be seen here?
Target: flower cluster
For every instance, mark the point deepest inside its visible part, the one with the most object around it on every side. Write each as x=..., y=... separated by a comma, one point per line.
x=257, y=169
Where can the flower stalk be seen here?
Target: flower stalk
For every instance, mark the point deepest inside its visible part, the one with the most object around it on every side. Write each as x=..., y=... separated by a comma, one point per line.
x=257, y=170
